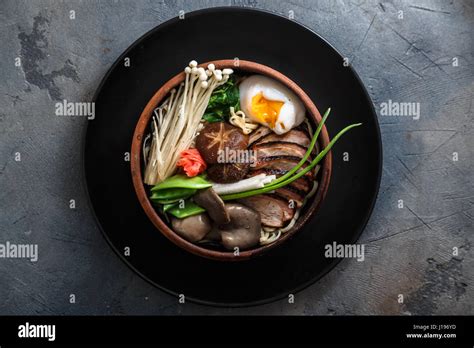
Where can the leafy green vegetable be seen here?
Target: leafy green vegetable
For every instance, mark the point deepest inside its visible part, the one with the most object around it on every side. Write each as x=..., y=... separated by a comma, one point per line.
x=182, y=181
x=221, y=100
x=184, y=209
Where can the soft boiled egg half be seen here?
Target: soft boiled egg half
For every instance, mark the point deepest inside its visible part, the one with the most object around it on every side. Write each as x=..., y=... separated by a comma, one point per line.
x=270, y=103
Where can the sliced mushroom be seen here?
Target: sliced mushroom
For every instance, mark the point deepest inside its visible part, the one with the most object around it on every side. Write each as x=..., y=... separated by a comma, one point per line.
x=243, y=230
x=214, y=205
x=192, y=228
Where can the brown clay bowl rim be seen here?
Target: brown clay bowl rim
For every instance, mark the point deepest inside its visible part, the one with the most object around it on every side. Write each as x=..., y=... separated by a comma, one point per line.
x=136, y=168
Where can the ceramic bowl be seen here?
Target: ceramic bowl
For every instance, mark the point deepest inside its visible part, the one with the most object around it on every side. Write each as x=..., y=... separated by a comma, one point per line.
x=137, y=166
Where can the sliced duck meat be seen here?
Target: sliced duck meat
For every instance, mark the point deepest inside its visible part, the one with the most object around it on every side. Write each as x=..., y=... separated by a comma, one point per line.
x=258, y=134
x=303, y=184
x=274, y=211
x=290, y=194
x=293, y=136
x=279, y=148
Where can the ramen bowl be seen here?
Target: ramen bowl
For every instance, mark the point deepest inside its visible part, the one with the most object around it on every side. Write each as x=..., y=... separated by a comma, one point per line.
x=158, y=219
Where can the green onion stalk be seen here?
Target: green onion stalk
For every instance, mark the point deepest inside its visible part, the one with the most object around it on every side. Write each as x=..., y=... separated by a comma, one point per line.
x=288, y=178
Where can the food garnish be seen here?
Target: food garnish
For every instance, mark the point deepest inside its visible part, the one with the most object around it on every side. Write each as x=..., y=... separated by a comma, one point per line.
x=191, y=162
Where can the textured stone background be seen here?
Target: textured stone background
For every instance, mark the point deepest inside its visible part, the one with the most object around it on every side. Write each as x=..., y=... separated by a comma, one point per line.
x=409, y=250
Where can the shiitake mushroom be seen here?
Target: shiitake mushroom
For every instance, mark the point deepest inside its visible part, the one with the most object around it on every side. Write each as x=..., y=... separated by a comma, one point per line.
x=215, y=137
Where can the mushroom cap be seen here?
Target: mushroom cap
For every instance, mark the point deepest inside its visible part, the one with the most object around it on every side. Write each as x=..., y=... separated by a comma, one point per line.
x=215, y=138
x=243, y=230
x=214, y=235
x=192, y=228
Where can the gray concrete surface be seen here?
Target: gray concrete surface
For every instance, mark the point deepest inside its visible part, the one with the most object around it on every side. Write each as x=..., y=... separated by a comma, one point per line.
x=409, y=250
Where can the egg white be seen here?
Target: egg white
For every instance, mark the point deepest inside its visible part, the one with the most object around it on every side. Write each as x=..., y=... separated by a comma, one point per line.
x=292, y=112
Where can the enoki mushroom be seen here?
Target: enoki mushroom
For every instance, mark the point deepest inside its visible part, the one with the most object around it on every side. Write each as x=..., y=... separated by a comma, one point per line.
x=176, y=121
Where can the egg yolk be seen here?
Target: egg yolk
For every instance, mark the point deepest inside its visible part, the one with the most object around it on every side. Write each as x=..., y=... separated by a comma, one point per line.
x=266, y=110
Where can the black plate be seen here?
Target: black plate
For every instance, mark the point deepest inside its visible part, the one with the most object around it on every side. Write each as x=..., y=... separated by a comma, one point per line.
x=286, y=46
